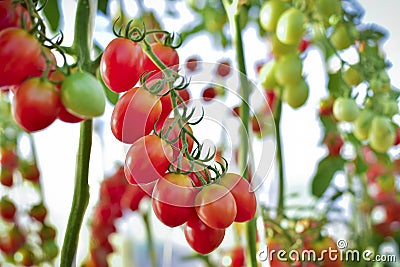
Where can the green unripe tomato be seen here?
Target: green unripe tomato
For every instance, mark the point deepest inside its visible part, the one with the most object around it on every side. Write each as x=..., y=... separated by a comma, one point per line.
x=345, y=109
x=380, y=82
x=382, y=134
x=267, y=75
x=270, y=13
x=291, y=26
x=83, y=95
x=351, y=76
x=325, y=9
x=296, y=94
x=342, y=36
x=362, y=124
x=279, y=49
x=288, y=69
x=390, y=108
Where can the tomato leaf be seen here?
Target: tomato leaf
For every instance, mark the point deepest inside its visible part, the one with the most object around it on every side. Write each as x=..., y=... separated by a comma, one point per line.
x=52, y=13
x=327, y=168
x=336, y=85
x=102, y=6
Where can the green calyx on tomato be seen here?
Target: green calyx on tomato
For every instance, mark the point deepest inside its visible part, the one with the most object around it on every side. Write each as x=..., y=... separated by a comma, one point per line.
x=290, y=27
x=345, y=109
x=83, y=95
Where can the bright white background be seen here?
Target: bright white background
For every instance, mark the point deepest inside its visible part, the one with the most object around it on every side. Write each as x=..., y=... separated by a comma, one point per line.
x=57, y=144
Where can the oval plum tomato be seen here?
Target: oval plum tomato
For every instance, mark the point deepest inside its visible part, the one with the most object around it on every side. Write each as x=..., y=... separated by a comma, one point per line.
x=381, y=134
x=345, y=109
x=166, y=54
x=6, y=177
x=202, y=238
x=216, y=206
x=147, y=160
x=134, y=115
x=291, y=26
x=296, y=95
x=245, y=198
x=11, y=15
x=173, y=199
x=121, y=64
x=82, y=95
x=36, y=104
x=279, y=49
x=270, y=13
x=18, y=64
x=64, y=115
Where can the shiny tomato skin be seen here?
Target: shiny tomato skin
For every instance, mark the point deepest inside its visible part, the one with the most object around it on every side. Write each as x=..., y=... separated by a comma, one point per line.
x=147, y=160
x=36, y=104
x=134, y=115
x=245, y=198
x=121, y=64
x=216, y=206
x=173, y=199
x=202, y=238
x=166, y=54
x=20, y=53
x=10, y=15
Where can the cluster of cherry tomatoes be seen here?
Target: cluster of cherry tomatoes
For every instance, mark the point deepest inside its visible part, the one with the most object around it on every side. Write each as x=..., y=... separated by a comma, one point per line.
x=116, y=196
x=42, y=93
x=14, y=244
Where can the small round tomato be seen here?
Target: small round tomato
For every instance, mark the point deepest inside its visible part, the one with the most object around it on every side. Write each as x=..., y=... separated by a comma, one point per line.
x=29, y=171
x=11, y=15
x=270, y=13
x=267, y=75
x=82, y=95
x=288, y=69
x=7, y=209
x=147, y=160
x=224, y=68
x=8, y=158
x=121, y=64
x=12, y=241
x=132, y=197
x=173, y=199
x=245, y=198
x=209, y=93
x=345, y=109
x=36, y=104
x=202, y=238
x=342, y=36
x=351, y=76
x=296, y=94
x=279, y=49
x=216, y=206
x=291, y=26
x=6, y=177
x=381, y=134
x=38, y=212
x=166, y=54
x=134, y=115
x=18, y=64
x=362, y=124
x=191, y=63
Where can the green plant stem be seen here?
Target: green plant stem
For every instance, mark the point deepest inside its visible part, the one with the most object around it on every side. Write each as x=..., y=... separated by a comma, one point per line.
x=84, y=24
x=232, y=10
x=150, y=239
x=279, y=158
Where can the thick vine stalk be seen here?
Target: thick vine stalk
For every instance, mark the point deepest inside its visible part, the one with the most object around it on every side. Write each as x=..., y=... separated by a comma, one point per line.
x=85, y=16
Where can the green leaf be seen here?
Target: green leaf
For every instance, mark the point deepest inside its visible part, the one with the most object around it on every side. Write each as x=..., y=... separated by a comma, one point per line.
x=327, y=168
x=52, y=14
x=102, y=6
x=336, y=85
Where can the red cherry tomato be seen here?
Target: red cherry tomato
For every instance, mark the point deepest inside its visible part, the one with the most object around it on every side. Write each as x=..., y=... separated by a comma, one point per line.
x=134, y=115
x=209, y=93
x=121, y=64
x=147, y=160
x=132, y=197
x=166, y=54
x=7, y=209
x=18, y=64
x=244, y=196
x=216, y=206
x=173, y=199
x=191, y=63
x=224, y=68
x=12, y=241
x=36, y=104
x=202, y=238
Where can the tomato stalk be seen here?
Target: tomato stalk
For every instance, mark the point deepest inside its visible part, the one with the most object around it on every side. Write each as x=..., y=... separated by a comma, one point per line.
x=279, y=158
x=85, y=16
x=150, y=240
x=232, y=11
